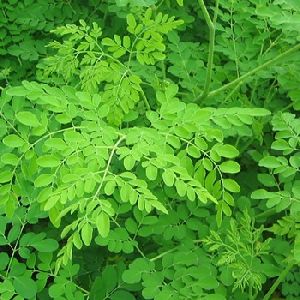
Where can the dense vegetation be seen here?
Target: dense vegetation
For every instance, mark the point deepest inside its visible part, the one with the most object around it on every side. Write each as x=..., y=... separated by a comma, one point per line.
x=150, y=149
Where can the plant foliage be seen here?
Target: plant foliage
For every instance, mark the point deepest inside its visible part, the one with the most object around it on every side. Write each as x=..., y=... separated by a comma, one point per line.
x=150, y=150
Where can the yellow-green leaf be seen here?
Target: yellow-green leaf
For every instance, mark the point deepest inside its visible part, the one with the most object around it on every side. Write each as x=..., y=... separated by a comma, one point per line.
x=27, y=118
x=87, y=234
x=48, y=161
x=43, y=180
x=13, y=141
x=103, y=224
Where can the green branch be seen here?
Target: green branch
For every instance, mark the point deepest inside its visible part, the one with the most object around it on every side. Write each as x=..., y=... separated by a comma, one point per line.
x=211, y=25
x=254, y=71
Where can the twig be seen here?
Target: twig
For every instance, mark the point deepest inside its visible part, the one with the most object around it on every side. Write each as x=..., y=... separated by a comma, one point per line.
x=252, y=72
x=211, y=25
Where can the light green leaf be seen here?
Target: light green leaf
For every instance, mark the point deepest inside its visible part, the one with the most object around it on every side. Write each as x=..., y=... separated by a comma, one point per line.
x=51, y=201
x=151, y=172
x=17, y=91
x=269, y=162
x=168, y=177
x=230, y=167
x=231, y=185
x=43, y=180
x=108, y=42
x=159, y=206
x=87, y=234
x=191, y=193
x=9, y=159
x=126, y=41
x=48, y=161
x=125, y=192
x=129, y=162
x=193, y=151
x=261, y=194
x=181, y=187
x=103, y=224
x=6, y=176
x=226, y=150
x=56, y=143
x=131, y=22
x=27, y=118
x=13, y=141
x=280, y=144
x=110, y=187
x=77, y=240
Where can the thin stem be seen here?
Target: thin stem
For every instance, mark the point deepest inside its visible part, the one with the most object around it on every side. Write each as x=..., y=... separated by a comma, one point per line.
x=211, y=25
x=280, y=278
x=252, y=72
x=250, y=292
x=146, y=101
x=163, y=70
x=114, y=149
x=10, y=124
x=162, y=254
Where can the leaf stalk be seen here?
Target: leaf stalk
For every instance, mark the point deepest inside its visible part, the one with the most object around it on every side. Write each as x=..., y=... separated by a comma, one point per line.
x=212, y=32
x=254, y=71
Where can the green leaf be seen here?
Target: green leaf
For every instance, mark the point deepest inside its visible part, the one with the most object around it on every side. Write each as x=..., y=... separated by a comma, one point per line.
x=43, y=180
x=25, y=287
x=193, y=151
x=180, y=2
x=77, y=240
x=47, y=245
x=87, y=234
x=27, y=118
x=13, y=141
x=122, y=295
x=17, y=91
x=269, y=162
x=51, y=202
x=151, y=172
x=4, y=260
x=225, y=150
x=103, y=224
x=191, y=193
x=131, y=22
x=6, y=176
x=129, y=162
x=159, y=206
x=110, y=187
x=9, y=159
x=168, y=177
x=280, y=144
x=48, y=161
x=56, y=143
x=230, y=167
x=126, y=41
x=231, y=185
x=108, y=42
x=181, y=187
x=125, y=192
